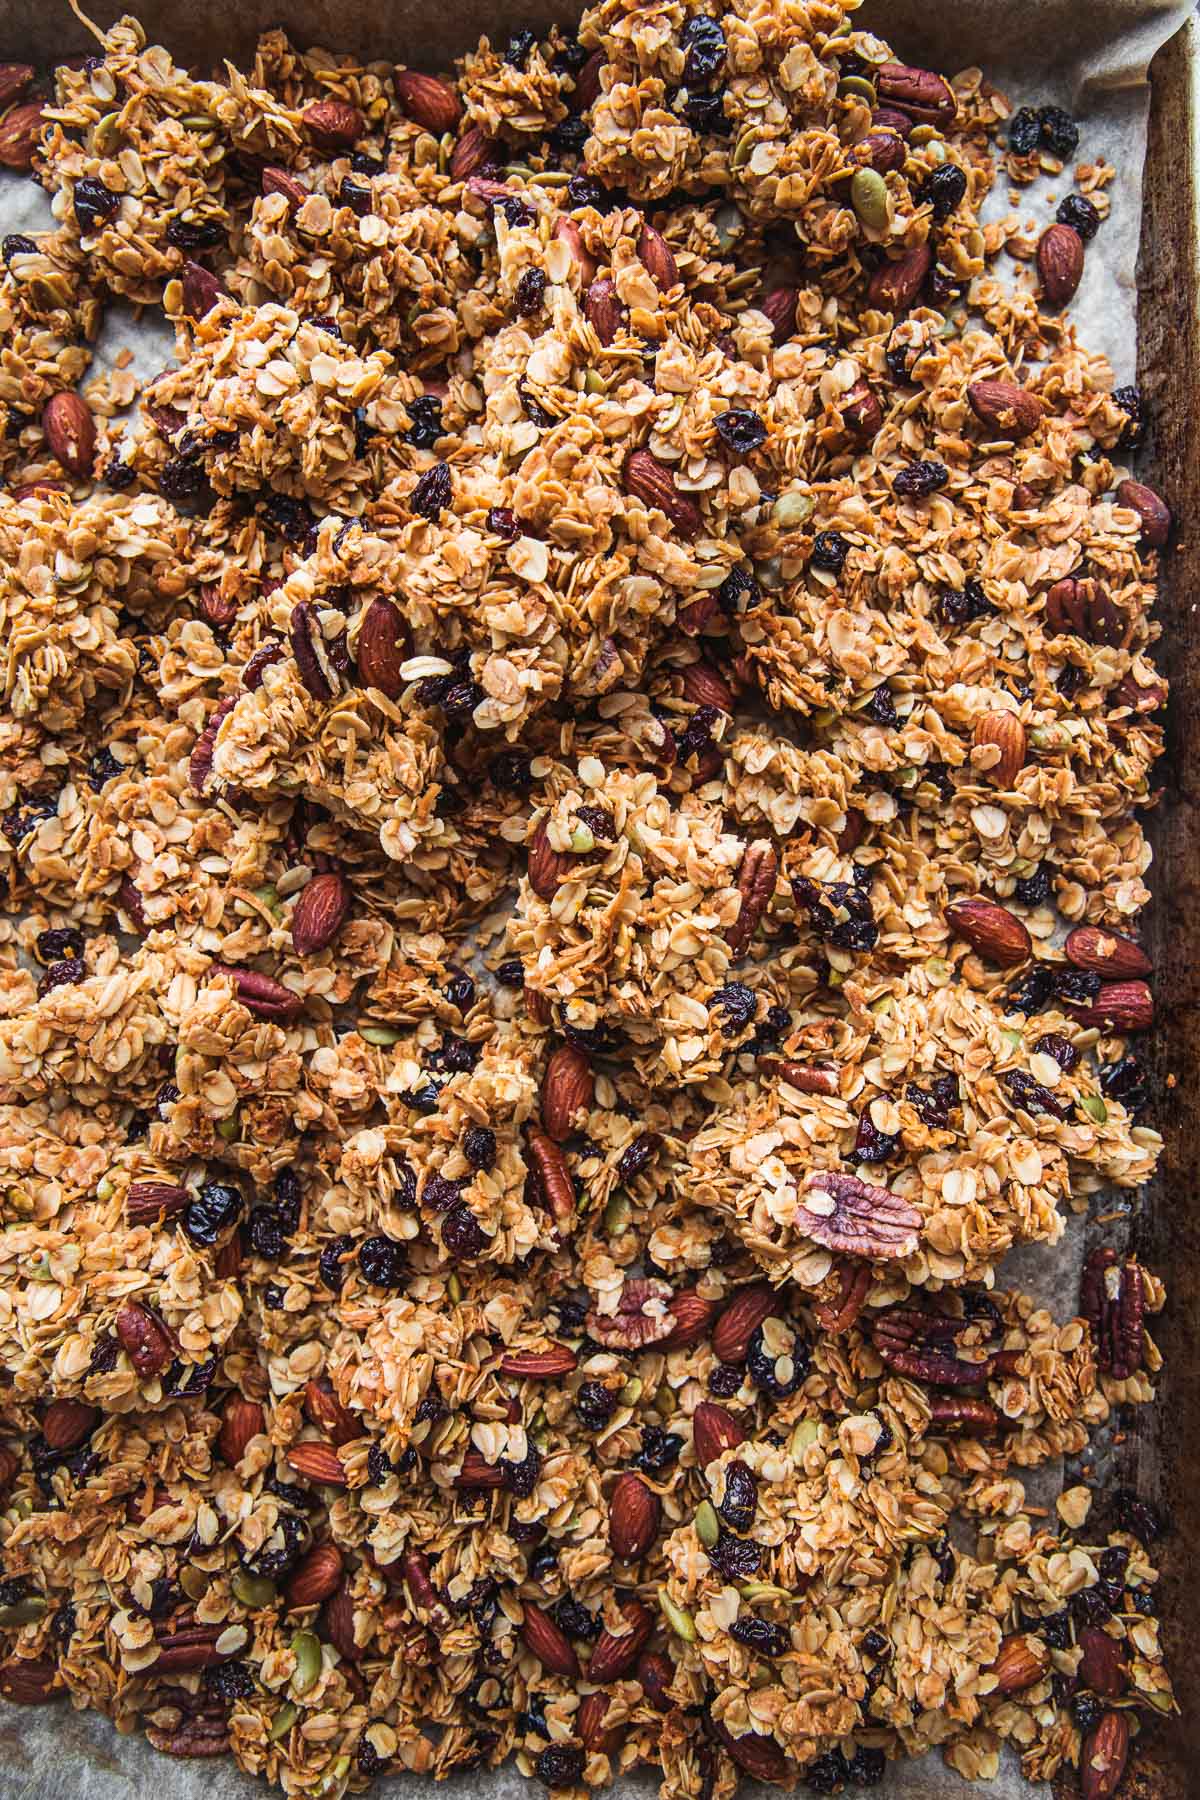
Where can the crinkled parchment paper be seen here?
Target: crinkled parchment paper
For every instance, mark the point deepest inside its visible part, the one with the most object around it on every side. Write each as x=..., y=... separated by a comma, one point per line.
x=1088, y=55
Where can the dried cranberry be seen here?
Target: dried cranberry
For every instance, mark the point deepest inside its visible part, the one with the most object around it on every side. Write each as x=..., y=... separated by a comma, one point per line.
x=516, y=212
x=569, y=137
x=215, y=1208
x=595, y=1405
x=274, y=1560
x=762, y=1367
x=735, y=1558
x=63, y=942
x=479, y=1146
x=1139, y=1517
x=462, y=1234
x=433, y=492
x=829, y=552
x=1061, y=1049
x=660, y=1450
x=584, y=190
x=838, y=911
x=825, y=1774
x=330, y=1263
x=424, y=421
x=560, y=1766
x=503, y=522
x=530, y=292
x=1080, y=215
x=265, y=1232
x=866, y=1768
x=1059, y=132
x=1130, y=401
x=1125, y=1081
x=738, y=1003
x=882, y=709
x=637, y=1156
x=920, y=479
x=1032, y=1096
x=741, y=1497
x=943, y=189
x=183, y=482
x=103, y=768
x=872, y=1145
x=93, y=202
x=1086, y=1711
x=741, y=430
x=934, y=1103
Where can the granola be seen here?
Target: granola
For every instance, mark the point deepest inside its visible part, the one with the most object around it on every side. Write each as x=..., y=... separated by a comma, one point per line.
x=544, y=766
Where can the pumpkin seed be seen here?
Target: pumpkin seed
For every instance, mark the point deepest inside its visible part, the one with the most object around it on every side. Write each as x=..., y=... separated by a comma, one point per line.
x=23, y=1612
x=728, y=225
x=306, y=1648
x=681, y=1623
x=380, y=1034
x=104, y=1188
x=1094, y=1107
x=253, y=1590
x=857, y=84
x=283, y=1721
x=228, y=1128
x=869, y=198
x=743, y=149
x=454, y=1289
x=806, y=1433
x=631, y=1393
x=617, y=1215
x=708, y=1529
x=195, y=1582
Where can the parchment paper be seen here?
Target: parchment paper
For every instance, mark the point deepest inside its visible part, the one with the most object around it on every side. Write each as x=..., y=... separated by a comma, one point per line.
x=1090, y=57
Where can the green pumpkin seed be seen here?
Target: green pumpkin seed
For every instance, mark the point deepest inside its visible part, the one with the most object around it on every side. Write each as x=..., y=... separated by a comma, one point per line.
x=765, y=1590
x=550, y=178
x=631, y=1393
x=454, y=1289
x=681, y=1623
x=195, y=1582
x=806, y=1433
x=382, y=1035
x=708, y=1528
x=228, y=1129
x=253, y=1590
x=306, y=1648
x=728, y=225
x=792, y=509
x=582, y=840
x=107, y=136
x=744, y=148
x=617, y=1215
x=594, y=382
x=522, y=171
x=23, y=1612
x=104, y=1188
x=1094, y=1107
x=869, y=198
x=857, y=84
x=283, y=1721
x=665, y=1403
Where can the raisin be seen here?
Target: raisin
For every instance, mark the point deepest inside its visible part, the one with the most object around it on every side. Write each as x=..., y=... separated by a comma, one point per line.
x=576, y=1620
x=933, y=1104
x=829, y=552
x=510, y=771
x=1032, y=1096
x=274, y=1560
x=1090, y=1607
x=462, y=1234
x=1061, y=1049
x=761, y=1636
x=518, y=48
x=215, y=1208
x=738, y=1003
x=735, y=1558
x=379, y=1465
x=503, y=521
x=1059, y=132
x=184, y=483
x=866, y=1768
x=331, y=1266
x=102, y=769
x=741, y=1497
x=559, y=1766
x=762, y=1367
x=872, y=1145
x=479, y=1146
x=637, y=1156
x=825, y=1774
x=433, y=492
x=16, y=244
x=741, y=430
x=511, y=973
x=1024, y=132
x=356, y=195
x=1086, y=1711
x=875, y=1643
x=1080, y=215
x=882, y=708
x=706, y=114
x=1034, y=890
x=63, y=943
x=738, y=592
x=1125, y=1081
x=920, y=479
x=599, y=822
x=1033, y=992
x=67, y=973
x=943, y=189
x=93, y=202
x=1137, y=1516
x=1142, y=1600
x=230, y=1681
x=424, y=421
x=1054, y=1629
x=659, y=1452
x=368, y=1758
x=1080, y=987
x=516, y=212
x=704, y=42
x=1131, y=403
x=520, y=1478
x=530, y=292
x=595, y=1405
x=569, y=137
x=265, y=1232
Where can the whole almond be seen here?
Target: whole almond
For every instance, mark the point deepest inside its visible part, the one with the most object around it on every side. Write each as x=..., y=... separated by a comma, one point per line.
x=319, y=913
x=382, y=648
x=1022, y=1661
x=714, y=1430
x=201, y=290
x=1119, y=1006
x=14, y=79
x=1102, y=1665
x=553, y=1650
x=656, y=1673
x=705, y=686
x=278, y=181
x=567, y=1088
x=653, y=483
x=333, y=124
x=1060, y=263
x=862, y=414
x=66, y=1423
x=337, y=1622
x=922, y=93
x=70, y=432
x=144, y=1338
x=572, y=237
x=587, y=82
x=10, y=1462
x=318, y=1463
x=471, y=152
x=1006, y=409
x=540, y=1365
x=150, y=1202
x=605, y=313
x=589, y=1725
x=1106, y=953
x=780, y=307
x=315, y=1577
x=693, y=1316
x=1005, y=731
x=1103, y=1756
x=740, y=1320
x=20, y=131
x=547, y=867
x=428, y=101
x=28, y=1681
x=656, y=258
x=991, y=930
x=633, y=1516
x=1153, y=511
x=325, y=1410
x=894, y=286
x=757, y=877
x=241, y=1420
x=614, y=1655
x=760, y=1757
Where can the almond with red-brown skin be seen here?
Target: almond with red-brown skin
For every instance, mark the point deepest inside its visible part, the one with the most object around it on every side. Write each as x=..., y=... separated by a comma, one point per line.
x=1106, y=952
x=70, y=432
x=333, y=124
x=895, y=285
x=714, y=1430
x=1005, y=731
x=14, y=79
x=1141, y=697
x=806, y=1078
x=10, y=1462
x=652, y=482
x=740, y=1320
x=382, y=648
x=551, y=1167
x=1119, y=1006
x=780, y=307
x=656, y=258
x=1103, y=1756
x=428, y=101
x=587, y=82
x=1060, y=263
x=614, y=1656
x=633, y=1516
x=760, y=1757
x=572, y=237
x=201, y=290
x=705, y=686
x=1006, y=409
x=537, y=1005
x=28, y=1681
x=20, y=133
x=315, y=1577
x=337, y=1624
x=590, y=1729
x=547, y=867
x=862, y=414
x=656, y=1673
x=882, y=149
x=318, y=1463
x=241, y=1420
x=1077, y=604
x=1150, y=508
x=757, y=876
x=1021, y=1662
x=922, y=93
x=66, y=1423
x=325, y=1410
x=261, y=995
x=540, y=1365
x=1102, y=1664
x=991, y=930
x=477, y=1474
x=144, y=1338
x=567, y=1089
x=29, y=490
x=319, y=913
x=543, y=1637
x=228, y=1259
x=149, y=1202
x=693, y=1316
x=473, y=149
x=278, y=181
x=605, y=313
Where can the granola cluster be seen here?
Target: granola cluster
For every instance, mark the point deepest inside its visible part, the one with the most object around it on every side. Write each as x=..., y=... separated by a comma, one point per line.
x=569, y=785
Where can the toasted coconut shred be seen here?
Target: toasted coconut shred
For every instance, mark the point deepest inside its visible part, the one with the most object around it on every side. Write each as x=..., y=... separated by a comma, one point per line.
x=544, y=768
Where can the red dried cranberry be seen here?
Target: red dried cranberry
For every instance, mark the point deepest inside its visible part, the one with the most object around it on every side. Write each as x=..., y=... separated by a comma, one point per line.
x=530, y=292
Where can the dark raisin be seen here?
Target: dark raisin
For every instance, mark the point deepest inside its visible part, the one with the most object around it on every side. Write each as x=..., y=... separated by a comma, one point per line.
x=102, y=768
x=1139, y=1517
x=825, y=1774
x=1054, y=1629
x=882, y=708
x=287, y=1197
x=761, y=1636
x=455, y=1056
x=920, y=479
x=276, y=1558
x=704, y=42
x=433, y=492
x=761, y=1367
x=273, y=1297
x=105, y=1354
x=1086, y=1711
x=459, y=989
x=583, y=190
x=368, y=1758
x=424, y=421
x=1059, y=132
x=15, y=244
x=576, y=1620
x=1034, y=890
x=569, y=137
x=725, y=1380
x=65, y=942
x=838, y=911
x=1125, y=1081
x=560, y=1766
x=379, y=1465
x=265, y=1232
x=1079, y=987
x=1080, y=215
x=510, y=771
x=230, y=1681
x=735, y=1558
x=1032, y=1096
x=1142, y=1601
x=118, y=475
x=503, y=521
x=741, y=430
x=1033, y=991
x=479, y=1146
x=440, y=1193
x=520, y=1478
x=67, y=973
x=215, y=1208
x=1024, y=132
x=829, y=552
x=1130, y=401
x=534, y=1716
x=1090, y=1607
x=599, y=822
x=511, y=973
x=637, y=1156
x=697, y=738
x=93, y=202
x=943, y=189
x=543, y=1563
x=462, y=1234
x=706, y=114
x=518, y=47
x=1113, y=1563
x=62, y=1626
x=424, y=1099
x=875, y=1643
x=866, y=1768
x=741, y=1497
x=872, y=1145
x=738, y=1003
x=530, y=292
x=659, y=1452
x=533, y=408
x=933, y=1104
x=516, y=211
x=900, y=358
x=356, y=195
x=183, y=482
x=738, y=592
x=1060, y=1048
x=595, y=1405
x=330, y=1264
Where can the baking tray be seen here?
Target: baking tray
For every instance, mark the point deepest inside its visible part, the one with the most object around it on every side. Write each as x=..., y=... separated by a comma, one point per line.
x=67, y=1756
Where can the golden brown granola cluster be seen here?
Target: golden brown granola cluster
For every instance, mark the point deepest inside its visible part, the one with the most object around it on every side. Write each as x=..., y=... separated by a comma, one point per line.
x=568, y=798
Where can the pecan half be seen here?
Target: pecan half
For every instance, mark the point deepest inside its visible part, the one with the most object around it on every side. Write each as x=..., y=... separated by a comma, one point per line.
x=201, y=760
x=550, y=1166
x=184, y=1646
x=857, y=1219
x=756, y=884
x=839, y=1314
x=1113, y=1301
x=922, y=93
x=305, y=634
x=643, y=1316
x=952, y=1412
x=260, y=995
x=202, y=1728
x=1077, y=605
x=806, y=1078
